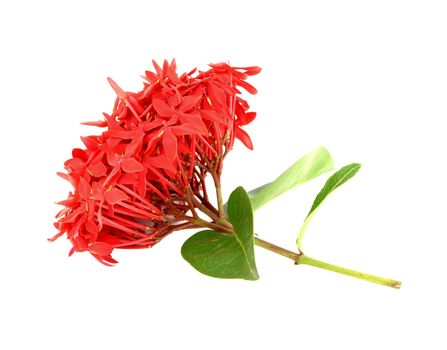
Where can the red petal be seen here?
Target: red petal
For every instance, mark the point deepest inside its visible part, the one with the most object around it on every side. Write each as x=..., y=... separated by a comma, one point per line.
x=67, y=177
x=150, y=89
x=163, y=108
x=128, y=179
x=115, y=196
x=105, y=260
x=135, y=104
x=250, y=88
x=216, y=94
x=70, y=202
x=148, y=126
x=185, y=129
x=220, y=65
x=113, y=158
x=189, y=102
x=162, y=162
x=99, y=123
x=90, y=142
x=74, y=164
x=211, y=115
x=142, y=185
x=79, y=153
x=98, y=169
x=243, y=136
x=121, y=133
x=172, y=74
x=56, y=236
x=131, y=165
x=253, y=70
x=152, y=77
x=120, y=92
x=136, y=143
x=157, y=69
x=101, y=248
x=172, y=120
x=174, y=100
x=91, y=227
x=165, y=68
x=72, y=250
x=83, y=188
x=190, y=73
x=246, y=118
x=170, y=145
x=194, y=119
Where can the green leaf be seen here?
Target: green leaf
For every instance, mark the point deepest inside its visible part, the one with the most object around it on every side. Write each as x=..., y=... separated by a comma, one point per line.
x=226, y=255
x=313, y=164
x=336, y=180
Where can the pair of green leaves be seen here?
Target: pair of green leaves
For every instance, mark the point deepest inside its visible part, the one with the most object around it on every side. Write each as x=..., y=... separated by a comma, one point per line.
x=232, y=255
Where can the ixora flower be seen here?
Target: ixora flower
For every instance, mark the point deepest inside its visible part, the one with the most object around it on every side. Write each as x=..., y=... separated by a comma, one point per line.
x=137, y=181
x=144, y=176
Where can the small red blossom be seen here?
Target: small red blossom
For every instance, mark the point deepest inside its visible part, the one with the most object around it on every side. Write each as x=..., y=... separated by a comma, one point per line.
x=143, y=177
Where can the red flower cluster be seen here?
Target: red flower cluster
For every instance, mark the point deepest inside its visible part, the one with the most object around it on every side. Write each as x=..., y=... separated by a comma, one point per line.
x=138, y=180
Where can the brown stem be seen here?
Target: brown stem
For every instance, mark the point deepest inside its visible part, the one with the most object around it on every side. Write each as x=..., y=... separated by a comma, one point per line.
x=213, y=226
x=189, y=195
x=207, y=204
x=184, y=226
x=204, y=209
x=278, y=250
x=216, y=179
x=202, y=180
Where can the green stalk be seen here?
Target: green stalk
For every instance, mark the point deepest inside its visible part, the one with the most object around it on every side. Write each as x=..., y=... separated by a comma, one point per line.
x=300, y=258
x=304, y=259
x=220, y=204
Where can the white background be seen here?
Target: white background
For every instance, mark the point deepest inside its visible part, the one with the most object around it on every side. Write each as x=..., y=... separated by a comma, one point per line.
x=367, y=79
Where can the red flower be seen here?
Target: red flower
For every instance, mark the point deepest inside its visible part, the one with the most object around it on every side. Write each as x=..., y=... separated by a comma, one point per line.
x=143, y=177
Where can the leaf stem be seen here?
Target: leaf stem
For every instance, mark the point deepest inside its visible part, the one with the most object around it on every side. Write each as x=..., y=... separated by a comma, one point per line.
x=300, y=258
x=304, y=259
x=276, y=249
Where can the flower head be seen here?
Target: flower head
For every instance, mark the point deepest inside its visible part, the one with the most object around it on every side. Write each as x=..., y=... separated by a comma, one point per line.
x=143, y=176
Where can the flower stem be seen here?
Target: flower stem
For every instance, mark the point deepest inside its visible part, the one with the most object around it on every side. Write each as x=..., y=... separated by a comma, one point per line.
x=203, y=208
x=213, y=226
x=300, y=258
x=220, y=204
